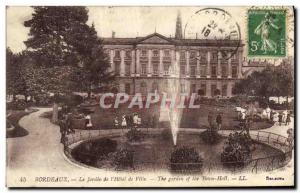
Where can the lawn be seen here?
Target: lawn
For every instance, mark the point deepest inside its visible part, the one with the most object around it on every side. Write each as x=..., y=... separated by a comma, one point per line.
x=191, y=118
x=14, y=117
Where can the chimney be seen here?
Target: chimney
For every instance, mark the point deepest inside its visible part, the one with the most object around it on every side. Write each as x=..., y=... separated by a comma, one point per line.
x=113, y=34
x=196, y=35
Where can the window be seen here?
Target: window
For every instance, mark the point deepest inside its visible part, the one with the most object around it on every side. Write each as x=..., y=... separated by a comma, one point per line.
x=182, y=87
x=117, y=67
x=182, y=69
x=144, y=53
x=117, y=54
x=127, y=67
x=193, y=70
x=167, y=53
x=155, y=87
x=127, y=88
x=203, y=70
x=193, y=88
x=155, y=69
x=143, y=68
x=166, y=69
x=213, y=90
x=234, y=71
x=128, y=54
x=213, y=71
x=182, y=55
x=143, y=88
x=224, y=71
x=215, y=56
x=192, y=54
x=203, y=88
x=224, y=90
x=155, y=53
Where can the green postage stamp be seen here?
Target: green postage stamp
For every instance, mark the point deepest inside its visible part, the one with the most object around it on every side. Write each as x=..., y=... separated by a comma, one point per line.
x=267, y=33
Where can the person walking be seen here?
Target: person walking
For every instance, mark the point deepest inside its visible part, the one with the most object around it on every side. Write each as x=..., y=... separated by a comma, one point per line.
x=219, y=121
x=210, y=120
x=268, y=111
x=280, y=118
x=288, y=119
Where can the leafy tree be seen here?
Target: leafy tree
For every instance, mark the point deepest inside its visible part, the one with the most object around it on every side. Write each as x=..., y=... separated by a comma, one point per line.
x=15, y=83
x=66, y=50
x=272, y=81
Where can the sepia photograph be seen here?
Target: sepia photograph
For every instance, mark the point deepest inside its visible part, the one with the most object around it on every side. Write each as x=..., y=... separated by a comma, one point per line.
x=150, y=96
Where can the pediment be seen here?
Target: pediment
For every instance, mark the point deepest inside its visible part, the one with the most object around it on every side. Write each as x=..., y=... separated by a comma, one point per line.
x=155, y=39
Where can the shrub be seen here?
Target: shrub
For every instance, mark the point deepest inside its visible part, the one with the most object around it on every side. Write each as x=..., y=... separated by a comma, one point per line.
x=166, y=134
x=185, y=159
x=123, y=159
x=17, y=105
x=43, y=100
x=72, y=100
x=134, y=135
x=210, y=136
x=92, y=151
x=236, y=151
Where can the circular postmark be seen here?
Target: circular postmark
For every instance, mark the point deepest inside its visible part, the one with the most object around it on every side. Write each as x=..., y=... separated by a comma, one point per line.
x=214, y=24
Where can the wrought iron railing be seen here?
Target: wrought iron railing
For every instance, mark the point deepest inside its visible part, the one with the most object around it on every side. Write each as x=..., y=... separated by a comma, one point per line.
x=268, y=163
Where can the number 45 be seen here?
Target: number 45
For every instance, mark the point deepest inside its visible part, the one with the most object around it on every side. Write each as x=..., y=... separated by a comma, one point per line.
x=254, y=46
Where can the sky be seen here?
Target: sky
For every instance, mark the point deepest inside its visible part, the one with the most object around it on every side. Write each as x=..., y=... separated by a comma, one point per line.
x=126, y=21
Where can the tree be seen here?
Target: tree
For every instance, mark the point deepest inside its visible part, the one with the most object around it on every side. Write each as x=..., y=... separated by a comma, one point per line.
x=15, y=83
x=66, y=50
x=272, y=81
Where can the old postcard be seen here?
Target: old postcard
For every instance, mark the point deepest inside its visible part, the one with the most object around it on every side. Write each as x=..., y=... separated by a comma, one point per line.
x=150, y=96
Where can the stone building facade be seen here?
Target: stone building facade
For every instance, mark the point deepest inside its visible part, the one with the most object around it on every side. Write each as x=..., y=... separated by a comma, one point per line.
x=156, y=63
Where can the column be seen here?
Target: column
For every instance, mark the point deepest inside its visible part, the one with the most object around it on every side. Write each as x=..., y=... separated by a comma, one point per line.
x=187, y=70
x=111, y=58
x=208, y=88
x=122, y=63
x=229, y=65
x=177, y=63
x=137, y=58
x=219, y=70
x=161, y=68
x=198, y=65
x=208, y=65
x=149, y=70
x=132, y=66
x=229, y=89
x=173, y=59
x=240, y=60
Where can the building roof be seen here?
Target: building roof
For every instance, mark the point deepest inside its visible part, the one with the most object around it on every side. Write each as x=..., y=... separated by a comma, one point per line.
x=157, y=38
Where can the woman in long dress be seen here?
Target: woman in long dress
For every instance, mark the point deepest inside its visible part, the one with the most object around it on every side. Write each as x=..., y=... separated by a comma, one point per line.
x=264, y=29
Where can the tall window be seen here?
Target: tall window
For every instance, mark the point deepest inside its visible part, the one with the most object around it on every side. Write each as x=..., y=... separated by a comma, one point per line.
x=155, y=53
x=166, y=69
x=224, y=71
x=182, y=55
x=155, y=87
x=117, y=67
x=117, y=54
x=143, y=68
x=127, y=67
x=167, y=53
x=224, y=90
x=203, y=70
x=193, y=88
x=144, y=53
x=203, y=88
x=193, y=70
x=182, y=70
x=128, y=54
x=213, y=89
x=127, y=88
x=182, y=87
x=234, y=71
x=155, y=69
x=213, y=71
x=143, y=88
